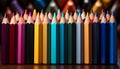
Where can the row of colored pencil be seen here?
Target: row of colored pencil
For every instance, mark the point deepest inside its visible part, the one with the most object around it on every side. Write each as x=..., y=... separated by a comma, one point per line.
x=61, y=39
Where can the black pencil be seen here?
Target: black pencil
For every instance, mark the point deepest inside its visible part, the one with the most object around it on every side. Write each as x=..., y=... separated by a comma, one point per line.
x=29, y=41
x=96, y=41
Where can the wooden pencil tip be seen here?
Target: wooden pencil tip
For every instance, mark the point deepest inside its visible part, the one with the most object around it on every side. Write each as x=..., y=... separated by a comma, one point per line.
x=21, y=20
x=5, y=20
x=26, y=12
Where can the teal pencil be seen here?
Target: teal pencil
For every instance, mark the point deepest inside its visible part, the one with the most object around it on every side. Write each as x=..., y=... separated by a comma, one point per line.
x=62, y=37
x=53, y=39
x=70, y=39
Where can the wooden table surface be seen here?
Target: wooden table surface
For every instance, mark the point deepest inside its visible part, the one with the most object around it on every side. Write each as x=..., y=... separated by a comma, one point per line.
x=60, y=66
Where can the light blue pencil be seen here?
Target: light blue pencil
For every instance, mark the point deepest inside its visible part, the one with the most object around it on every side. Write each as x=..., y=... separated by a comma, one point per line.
x=78, y=40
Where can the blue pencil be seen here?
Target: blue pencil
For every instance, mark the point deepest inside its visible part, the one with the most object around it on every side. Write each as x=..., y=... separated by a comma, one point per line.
x=53, y=40
x=113, y=40
x=62, y=39
x=103, y=40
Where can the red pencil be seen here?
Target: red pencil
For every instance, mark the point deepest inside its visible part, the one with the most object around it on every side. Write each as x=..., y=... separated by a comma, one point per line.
x=13, y=40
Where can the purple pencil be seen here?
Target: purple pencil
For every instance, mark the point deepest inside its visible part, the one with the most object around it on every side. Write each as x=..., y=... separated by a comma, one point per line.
x=5, y=40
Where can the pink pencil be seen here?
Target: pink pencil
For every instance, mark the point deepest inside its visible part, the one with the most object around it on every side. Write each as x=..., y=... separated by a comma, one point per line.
x=21, y=40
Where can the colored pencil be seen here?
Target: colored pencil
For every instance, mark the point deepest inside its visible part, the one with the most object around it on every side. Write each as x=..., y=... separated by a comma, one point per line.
x=74, y=42
x=113, y=40
x=62, y=44
x=57, y=42
x=45, y=24
x=29, y=41
x=49, y=37
x=13, y=41
x=41, y=42
x=87, y=41
x=36, y=40
x=53, y=40
x=65, y=42
x=79, y=40
x=96, y=40
x=5, y=40
x=70, y=39
x=103, y=39
x=21, y=41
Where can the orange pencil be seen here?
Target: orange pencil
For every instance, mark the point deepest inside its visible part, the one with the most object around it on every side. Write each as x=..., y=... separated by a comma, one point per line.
x=87, y=40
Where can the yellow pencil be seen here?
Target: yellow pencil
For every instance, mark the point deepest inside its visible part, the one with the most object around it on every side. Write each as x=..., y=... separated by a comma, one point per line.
x=45, y=23
x=36, y=39
x=41, y=42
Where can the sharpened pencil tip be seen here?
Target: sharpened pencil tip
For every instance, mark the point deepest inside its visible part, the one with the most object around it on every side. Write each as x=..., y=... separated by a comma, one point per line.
x=30, y=14
x=112, y=14
x=96, y=14
x=79, y=14
x=58, y=10
x=54, y=15
x=104, y=14
x=5, y=15
x=70, y=14
x=63, y=14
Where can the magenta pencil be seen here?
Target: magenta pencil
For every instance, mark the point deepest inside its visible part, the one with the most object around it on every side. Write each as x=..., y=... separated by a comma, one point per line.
x=21, y=41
